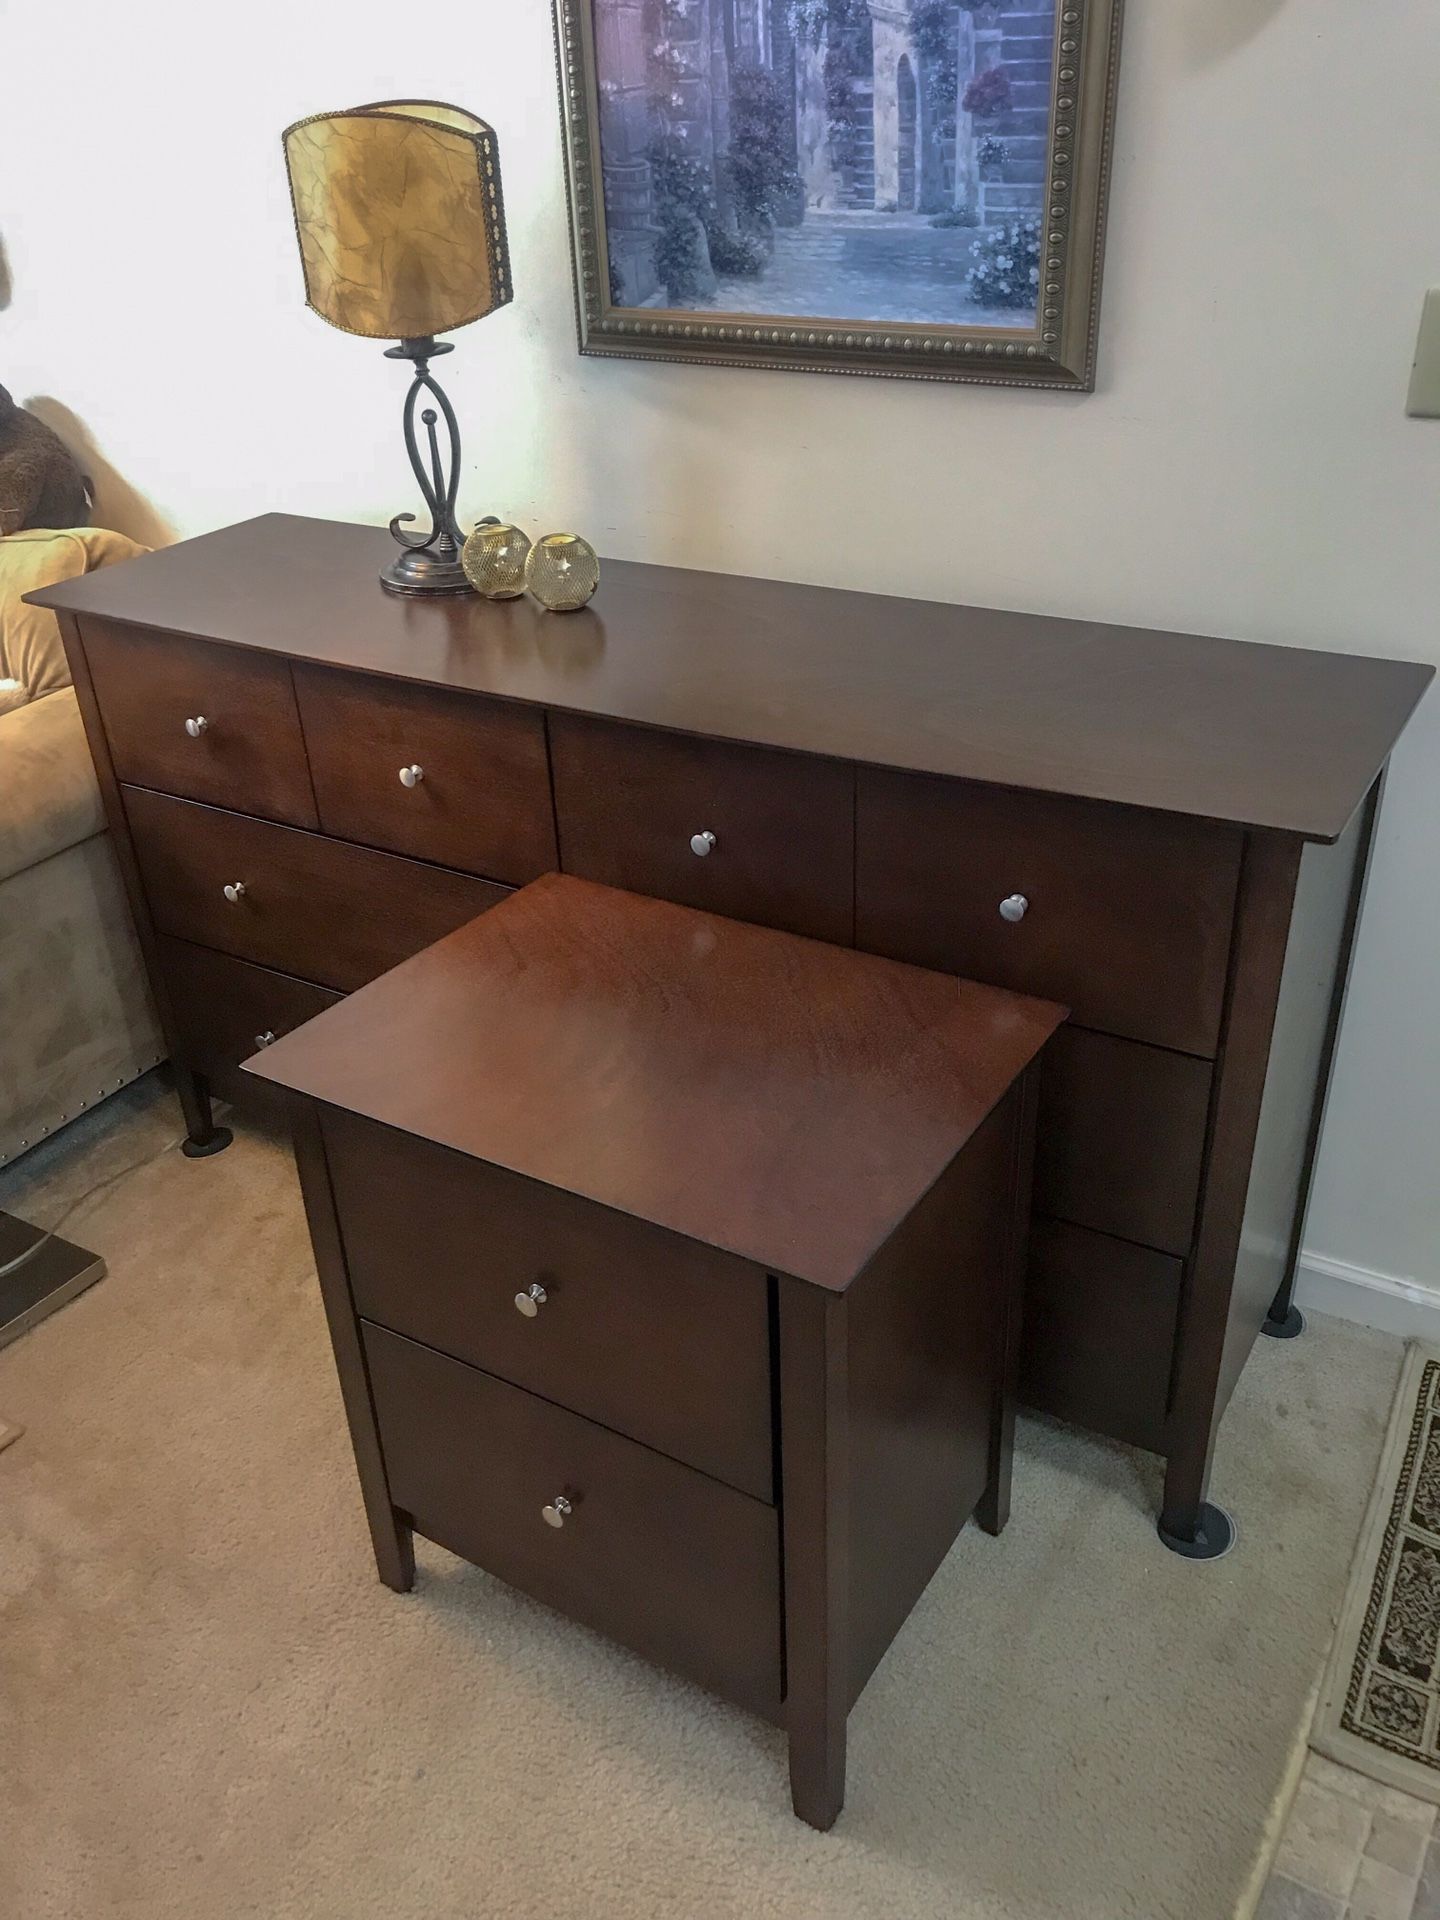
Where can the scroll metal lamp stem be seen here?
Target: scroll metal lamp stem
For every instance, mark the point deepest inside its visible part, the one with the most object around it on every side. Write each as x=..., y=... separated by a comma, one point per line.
x=430, y=563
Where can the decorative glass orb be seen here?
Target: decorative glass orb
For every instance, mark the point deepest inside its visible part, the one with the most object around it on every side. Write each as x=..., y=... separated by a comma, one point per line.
x=562, y=572
x=494, y=560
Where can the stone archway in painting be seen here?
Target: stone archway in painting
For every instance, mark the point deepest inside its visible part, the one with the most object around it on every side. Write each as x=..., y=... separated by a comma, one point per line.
x=894, y=45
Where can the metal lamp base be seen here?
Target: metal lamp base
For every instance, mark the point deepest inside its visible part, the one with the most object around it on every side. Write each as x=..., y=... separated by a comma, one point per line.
x=418, y=570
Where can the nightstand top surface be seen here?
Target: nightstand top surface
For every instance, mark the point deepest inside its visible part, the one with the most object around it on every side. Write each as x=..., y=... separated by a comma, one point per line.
x=782, y=1099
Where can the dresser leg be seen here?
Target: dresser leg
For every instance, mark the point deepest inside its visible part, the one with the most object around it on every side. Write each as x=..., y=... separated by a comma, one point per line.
x=205, y=1137
x=1189, y=1524
x=1284, y=1319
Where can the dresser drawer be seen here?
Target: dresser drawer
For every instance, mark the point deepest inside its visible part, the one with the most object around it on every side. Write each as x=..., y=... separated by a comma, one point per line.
x=1098, y=1341
x=1121, y=1142
x=250, y=752
x=1127, y=916
x=682, y=1569
x=226, y=1009
x=481, y=798
x=652, y=1334
x=630, y=801
x=313, y=907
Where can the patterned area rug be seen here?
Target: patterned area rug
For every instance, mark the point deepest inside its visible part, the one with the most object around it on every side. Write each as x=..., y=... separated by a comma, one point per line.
x=1380, y=1707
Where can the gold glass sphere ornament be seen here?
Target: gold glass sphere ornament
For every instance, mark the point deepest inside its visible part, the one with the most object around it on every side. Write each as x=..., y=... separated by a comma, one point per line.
x=494, y=560
x=562, y=572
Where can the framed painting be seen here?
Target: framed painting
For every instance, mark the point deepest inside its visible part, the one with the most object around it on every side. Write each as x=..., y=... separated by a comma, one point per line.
x=913, y=188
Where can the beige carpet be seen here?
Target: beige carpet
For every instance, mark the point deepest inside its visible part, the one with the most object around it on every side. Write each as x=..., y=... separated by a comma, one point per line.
x=210, y=1708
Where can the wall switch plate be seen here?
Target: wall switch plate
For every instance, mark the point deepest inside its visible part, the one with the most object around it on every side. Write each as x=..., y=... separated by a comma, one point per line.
x=1424, y=399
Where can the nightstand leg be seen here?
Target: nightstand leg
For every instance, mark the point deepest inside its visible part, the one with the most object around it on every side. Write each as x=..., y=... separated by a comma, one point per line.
x=390, y=1532
x=394, y=1551
x=817, y=1768
x=814, y=1464
x=205, y=1137
x=993, y=1511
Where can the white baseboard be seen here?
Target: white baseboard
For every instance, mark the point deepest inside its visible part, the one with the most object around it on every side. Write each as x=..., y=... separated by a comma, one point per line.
x=1383, y=1300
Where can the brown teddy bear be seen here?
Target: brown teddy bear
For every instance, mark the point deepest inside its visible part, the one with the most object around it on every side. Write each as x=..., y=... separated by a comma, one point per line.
x=40, y=484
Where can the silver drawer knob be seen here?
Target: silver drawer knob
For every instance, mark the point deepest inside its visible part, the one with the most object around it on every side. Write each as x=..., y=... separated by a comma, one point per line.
x=530, y=1302
x=1014, y=908
x=235, y=892
x=556, y=1514
x=266, y=1039
x=702, y=843
x=196, y=726
x=411, y=776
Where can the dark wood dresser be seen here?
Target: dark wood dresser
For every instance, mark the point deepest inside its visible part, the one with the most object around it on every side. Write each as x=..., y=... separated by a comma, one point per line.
x=308, y=780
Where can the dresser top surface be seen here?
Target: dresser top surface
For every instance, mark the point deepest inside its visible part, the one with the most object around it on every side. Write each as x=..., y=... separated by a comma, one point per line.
x=1265, y=736
x=784, y=1100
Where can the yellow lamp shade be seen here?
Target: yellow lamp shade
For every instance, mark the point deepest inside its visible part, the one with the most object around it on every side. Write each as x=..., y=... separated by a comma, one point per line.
x=399, y=217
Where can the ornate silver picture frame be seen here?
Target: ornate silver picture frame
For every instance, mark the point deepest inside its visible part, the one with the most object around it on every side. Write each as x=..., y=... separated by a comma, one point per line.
x=909, y=188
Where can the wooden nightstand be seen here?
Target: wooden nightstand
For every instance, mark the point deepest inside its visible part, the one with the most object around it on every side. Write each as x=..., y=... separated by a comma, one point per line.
x=674, y=1267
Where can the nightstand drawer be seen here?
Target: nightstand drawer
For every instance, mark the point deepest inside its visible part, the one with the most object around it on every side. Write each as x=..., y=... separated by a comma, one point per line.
x=300, y=903
x=1121, y=1144
x=475, y=792
x=1098, y=1337
x=682, y=1569
x=652, y=1334
x=736, y=830
x=228, y=1009
x=1124, y=916
x=211, y=723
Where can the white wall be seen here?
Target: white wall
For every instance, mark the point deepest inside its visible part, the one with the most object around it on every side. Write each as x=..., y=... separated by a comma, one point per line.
x=1246, y=467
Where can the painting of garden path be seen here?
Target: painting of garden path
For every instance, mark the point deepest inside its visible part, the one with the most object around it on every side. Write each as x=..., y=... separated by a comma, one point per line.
x=859, y=161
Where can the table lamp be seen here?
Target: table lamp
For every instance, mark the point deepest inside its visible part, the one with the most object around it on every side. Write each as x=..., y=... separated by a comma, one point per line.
x=402, y=236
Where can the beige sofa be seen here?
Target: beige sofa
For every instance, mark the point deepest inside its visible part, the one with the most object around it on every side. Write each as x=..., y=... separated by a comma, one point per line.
x=75, y=1016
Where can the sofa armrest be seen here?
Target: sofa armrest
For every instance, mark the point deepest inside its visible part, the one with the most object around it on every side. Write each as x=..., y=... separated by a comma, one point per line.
x=30, y=644
x=50, y=799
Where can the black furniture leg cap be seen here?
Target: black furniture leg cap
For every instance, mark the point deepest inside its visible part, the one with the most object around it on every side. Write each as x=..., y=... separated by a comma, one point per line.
x=215, y=1141
x=1286, y=1329
x=1214, y=1535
